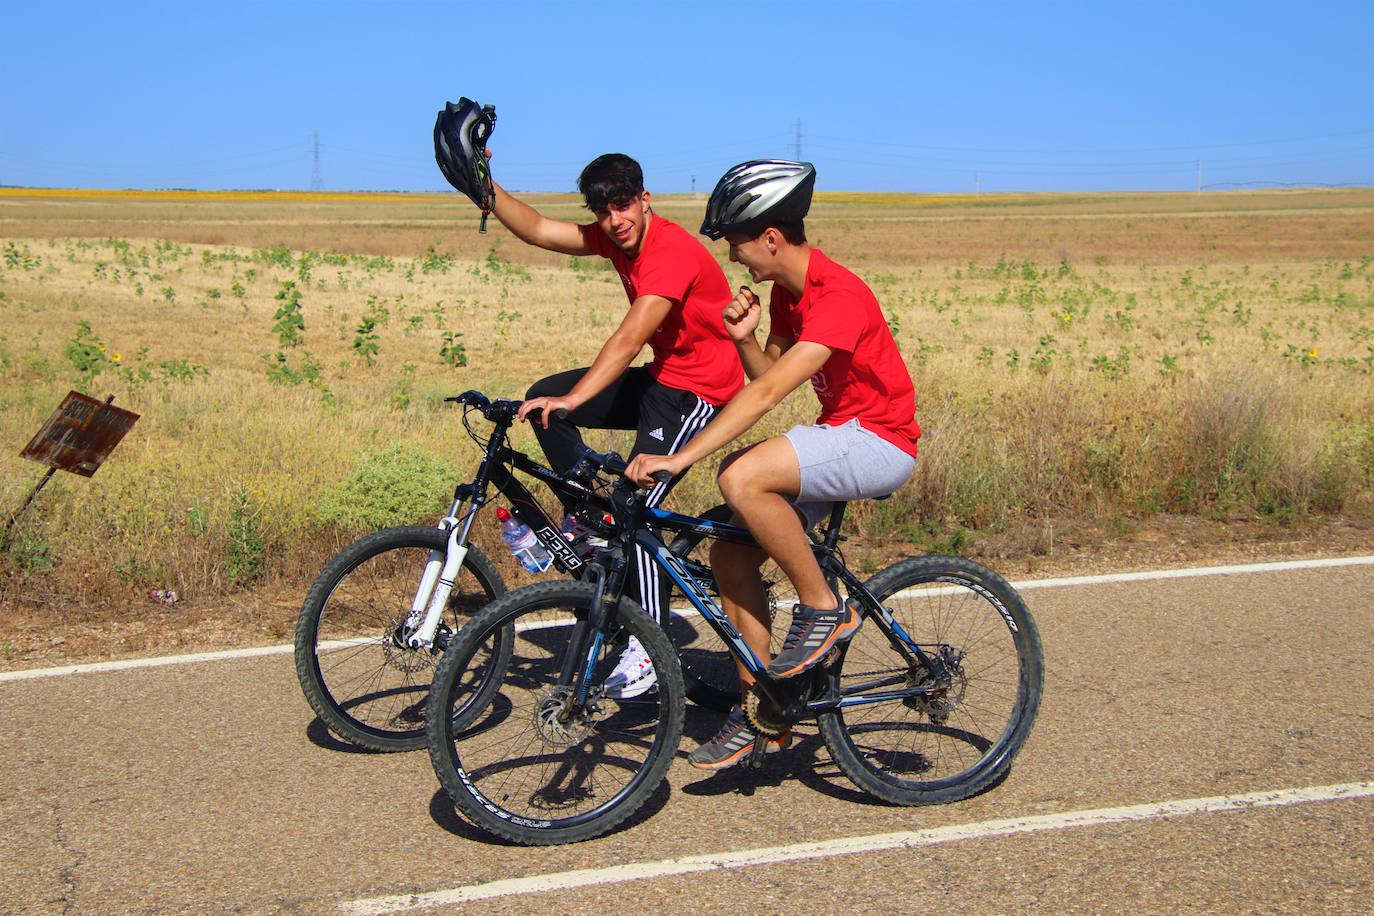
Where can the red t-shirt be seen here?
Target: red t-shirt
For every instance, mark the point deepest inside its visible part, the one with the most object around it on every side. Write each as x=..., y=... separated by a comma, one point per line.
x=865, y=378
x=691, y=349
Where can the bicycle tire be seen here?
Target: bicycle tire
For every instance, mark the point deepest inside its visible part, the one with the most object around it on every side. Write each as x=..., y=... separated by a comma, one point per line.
x=365, y=689
x=933, y=750
x=519, y=771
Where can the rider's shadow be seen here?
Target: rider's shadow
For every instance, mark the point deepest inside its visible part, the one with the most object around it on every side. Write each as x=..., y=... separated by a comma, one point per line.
x=806, y=761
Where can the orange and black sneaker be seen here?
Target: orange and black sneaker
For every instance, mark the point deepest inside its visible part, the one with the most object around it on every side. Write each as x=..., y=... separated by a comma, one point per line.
x=813, y=633
x=733, y=744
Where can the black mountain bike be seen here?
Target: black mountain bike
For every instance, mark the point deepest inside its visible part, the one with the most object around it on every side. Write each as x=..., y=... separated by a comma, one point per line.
x=928, y=703
x=382, y=611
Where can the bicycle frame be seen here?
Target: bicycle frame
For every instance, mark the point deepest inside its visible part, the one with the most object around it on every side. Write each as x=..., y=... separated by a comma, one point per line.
x=696, y=590
x=494, y=470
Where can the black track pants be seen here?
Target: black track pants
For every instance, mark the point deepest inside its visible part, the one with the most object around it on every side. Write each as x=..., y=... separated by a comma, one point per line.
x=664, y=419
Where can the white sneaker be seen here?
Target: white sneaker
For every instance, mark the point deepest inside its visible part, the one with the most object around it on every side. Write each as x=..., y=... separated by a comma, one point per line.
x=633, y=674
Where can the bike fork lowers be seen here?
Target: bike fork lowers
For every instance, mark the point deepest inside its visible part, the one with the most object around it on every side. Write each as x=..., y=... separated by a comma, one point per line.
x=436, y=583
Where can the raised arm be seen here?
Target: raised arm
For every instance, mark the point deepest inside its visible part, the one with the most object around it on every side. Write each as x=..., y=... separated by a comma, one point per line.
x=532, y=227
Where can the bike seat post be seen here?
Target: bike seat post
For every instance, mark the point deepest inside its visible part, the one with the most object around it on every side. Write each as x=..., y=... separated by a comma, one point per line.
x=832, y=528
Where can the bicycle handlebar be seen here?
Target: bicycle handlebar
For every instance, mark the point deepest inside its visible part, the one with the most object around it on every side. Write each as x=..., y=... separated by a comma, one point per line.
x=499, y=409
x=591, y=461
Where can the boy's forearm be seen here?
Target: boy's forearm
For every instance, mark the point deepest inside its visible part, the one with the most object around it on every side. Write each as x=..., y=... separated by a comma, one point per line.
x=610, y=363
x=733, y=421
x=755, y=359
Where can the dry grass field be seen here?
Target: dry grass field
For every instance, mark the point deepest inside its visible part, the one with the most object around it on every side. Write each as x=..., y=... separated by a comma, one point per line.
x=1084, y=363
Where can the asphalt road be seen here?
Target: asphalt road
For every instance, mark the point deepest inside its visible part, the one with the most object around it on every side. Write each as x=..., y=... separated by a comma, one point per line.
x=210, y=787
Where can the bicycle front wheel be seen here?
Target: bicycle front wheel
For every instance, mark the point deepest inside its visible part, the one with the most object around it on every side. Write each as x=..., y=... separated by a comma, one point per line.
x=959, y=738
x=536, y=765
x=353, y=667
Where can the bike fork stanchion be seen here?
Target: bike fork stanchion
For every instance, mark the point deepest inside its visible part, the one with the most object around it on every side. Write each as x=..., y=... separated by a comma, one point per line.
x=575, y=659
x=440, y=578
x=599, y=614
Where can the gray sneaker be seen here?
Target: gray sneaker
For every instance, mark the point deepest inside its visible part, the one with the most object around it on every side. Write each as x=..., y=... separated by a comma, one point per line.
x=813, y=633
x=733, y=744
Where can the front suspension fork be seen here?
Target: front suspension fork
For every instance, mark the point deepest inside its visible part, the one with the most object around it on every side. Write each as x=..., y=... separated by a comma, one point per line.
x=437, y=581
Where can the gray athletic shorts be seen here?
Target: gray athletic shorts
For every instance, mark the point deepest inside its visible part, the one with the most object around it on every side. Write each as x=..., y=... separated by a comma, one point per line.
x=844, y=463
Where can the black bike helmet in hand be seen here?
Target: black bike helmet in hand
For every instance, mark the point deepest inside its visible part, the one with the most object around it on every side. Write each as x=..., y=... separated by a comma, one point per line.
x=757, y=194
x=460, y=148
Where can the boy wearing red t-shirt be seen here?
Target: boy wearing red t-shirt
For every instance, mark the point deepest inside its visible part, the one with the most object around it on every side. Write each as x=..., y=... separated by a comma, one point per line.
x=825, y=326
x=677, y=292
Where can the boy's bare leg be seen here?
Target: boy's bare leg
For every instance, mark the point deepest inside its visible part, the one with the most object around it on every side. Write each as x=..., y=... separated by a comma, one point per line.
x=736, y=567
x=758, y=484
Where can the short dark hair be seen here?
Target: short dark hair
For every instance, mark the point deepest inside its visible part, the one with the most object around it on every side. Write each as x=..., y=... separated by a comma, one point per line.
x=610, y=179
x=794, y=232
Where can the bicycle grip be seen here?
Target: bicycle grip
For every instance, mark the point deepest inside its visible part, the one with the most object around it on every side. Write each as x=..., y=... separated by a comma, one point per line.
x=662, y=476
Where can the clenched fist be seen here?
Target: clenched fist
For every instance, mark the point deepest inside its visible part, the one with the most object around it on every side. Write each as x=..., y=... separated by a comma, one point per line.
x=742, y=314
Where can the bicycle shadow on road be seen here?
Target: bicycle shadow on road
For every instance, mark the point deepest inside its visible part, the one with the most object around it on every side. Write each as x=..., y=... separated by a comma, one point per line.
x=807, y=761
x=442, y=812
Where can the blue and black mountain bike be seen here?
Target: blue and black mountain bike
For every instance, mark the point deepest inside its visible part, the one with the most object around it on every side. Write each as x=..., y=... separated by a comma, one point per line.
x=928, y=703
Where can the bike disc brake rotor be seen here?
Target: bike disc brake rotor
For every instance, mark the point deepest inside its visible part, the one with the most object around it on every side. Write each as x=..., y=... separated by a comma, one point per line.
x=401, y=657
x=558, y=722
x=941, y=702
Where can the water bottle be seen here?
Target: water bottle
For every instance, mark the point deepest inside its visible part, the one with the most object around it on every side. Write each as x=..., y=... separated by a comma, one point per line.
x=522, y=542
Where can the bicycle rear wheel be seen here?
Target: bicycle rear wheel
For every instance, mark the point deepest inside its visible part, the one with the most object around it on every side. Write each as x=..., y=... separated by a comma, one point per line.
x=961, y=738
x=361, y=681
x=534, y=766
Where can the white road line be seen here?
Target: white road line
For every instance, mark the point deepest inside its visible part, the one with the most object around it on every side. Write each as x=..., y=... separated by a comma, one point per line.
x=127, y=663
x=538, y=884
x=1284, y=566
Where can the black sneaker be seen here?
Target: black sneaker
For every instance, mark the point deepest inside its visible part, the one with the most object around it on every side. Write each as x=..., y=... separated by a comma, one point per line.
x=813, y=633
x=733, y=744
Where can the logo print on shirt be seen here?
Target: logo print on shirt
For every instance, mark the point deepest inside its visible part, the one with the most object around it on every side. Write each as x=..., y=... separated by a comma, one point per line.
x=657, y=434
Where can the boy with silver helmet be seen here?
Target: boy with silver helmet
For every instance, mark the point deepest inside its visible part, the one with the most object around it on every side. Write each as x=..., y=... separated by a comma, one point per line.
x=826, y=326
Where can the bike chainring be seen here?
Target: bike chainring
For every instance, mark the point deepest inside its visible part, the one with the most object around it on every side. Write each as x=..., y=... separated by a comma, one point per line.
x=763, y=717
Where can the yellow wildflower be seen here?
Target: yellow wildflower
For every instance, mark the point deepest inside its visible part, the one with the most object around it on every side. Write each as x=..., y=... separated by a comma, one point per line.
x=1312, y=353
x=117, y=358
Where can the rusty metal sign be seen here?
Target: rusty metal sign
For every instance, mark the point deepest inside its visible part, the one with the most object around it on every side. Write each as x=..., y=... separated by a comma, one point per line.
x=80, y=435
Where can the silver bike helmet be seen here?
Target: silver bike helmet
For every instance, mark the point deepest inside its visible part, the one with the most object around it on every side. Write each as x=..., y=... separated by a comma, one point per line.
x=756, y=194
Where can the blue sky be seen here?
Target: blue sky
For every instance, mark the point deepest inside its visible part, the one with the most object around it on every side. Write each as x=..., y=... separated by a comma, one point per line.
x=889, y=95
